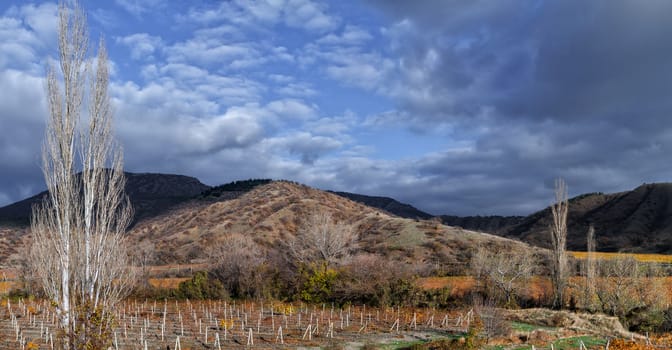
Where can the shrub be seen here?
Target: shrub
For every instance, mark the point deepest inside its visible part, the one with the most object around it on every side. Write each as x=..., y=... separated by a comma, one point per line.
x=201, y=287
x=318, y=283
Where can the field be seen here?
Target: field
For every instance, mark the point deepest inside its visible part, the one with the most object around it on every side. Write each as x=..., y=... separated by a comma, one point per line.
x=656, y=258
x=230, y=324
x=222, y=324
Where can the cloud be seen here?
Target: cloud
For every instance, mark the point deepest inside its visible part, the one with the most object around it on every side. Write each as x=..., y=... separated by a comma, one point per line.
x=351, y=35
x=292, y=109
x=23, y=118
x=530, y=61
x=307, y=146
x=142, y=45
x=138, y=8
x=40, y=19
x=303, y=14
x=106, y=18
x=25, y=33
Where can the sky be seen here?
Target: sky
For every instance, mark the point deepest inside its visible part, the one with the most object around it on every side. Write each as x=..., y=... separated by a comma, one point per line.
x=456, y=107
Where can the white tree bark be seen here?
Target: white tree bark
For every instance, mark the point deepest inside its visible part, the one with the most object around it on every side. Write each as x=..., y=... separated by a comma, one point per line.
x=79, y=253
x=558, y=230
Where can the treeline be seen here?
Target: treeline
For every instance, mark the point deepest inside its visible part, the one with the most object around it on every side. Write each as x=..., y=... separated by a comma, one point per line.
x=235, y=186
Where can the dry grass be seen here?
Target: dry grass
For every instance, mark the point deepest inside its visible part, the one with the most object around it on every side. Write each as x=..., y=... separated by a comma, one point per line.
x=658, y=258
x=6, y=286
x=539, y=287
x=167, y=283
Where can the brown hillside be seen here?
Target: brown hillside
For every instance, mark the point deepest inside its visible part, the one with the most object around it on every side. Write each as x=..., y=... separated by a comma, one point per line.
x=637, y=221
x=271, y=214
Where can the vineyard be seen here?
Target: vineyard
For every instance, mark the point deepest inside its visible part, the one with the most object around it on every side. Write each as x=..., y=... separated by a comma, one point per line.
x=222, y=324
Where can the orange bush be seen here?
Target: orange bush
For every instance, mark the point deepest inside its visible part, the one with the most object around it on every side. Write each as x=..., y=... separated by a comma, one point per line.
x=622, y=344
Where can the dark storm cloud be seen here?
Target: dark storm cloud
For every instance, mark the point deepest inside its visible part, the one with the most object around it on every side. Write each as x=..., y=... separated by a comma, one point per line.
x=537, y=59
x=22, y=125
x=577, y=89
x=527, y=91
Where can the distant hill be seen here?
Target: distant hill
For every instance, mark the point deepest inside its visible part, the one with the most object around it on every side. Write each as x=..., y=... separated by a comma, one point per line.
x=272, y=213
x=390, y=205
x=492, y=224
x=150, y=195
x=235, y=186
x=636, y=221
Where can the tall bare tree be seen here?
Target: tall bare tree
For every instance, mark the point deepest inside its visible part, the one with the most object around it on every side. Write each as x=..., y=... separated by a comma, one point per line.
x=79, y=253
x=321, y=239
x=559, y=270
x=591, y=268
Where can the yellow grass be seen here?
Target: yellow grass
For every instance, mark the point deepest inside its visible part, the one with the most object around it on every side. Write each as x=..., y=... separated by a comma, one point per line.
x=659, y=258
x=6, y=286
x=167, y=283
x=538, y=288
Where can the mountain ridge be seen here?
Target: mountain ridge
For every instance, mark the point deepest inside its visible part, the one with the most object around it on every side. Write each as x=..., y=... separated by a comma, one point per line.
x=639, y=220
x=150, y=194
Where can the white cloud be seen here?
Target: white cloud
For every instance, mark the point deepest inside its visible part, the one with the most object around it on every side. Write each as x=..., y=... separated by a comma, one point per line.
x=41, y=19
x=207, y=52
x=25, y=32
x=292, y=109
x=309, y=15
x=351, y=35
x=106, y=18
x=138, y=7
x=193, y=80
x=305, y=14
x=142, y=45
x=296, y=90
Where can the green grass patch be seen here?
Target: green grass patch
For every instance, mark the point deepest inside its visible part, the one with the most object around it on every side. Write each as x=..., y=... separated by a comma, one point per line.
x=573, y=342
x=526, y=327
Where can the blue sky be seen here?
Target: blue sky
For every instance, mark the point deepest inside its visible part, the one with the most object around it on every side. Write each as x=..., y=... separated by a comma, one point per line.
x=457, y=107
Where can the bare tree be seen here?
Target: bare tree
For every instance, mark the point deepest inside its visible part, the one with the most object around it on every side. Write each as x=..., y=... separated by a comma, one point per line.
x=493, y=318
x=79, y=253
x=559, y=270
x=590, y=269
x=506, y=272
x=236, y=261
x=629, y=285
x=144, y=256
x=321, y=239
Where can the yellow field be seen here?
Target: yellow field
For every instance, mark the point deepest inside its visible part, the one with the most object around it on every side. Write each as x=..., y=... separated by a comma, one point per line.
x=659, y=258
x=167, y=283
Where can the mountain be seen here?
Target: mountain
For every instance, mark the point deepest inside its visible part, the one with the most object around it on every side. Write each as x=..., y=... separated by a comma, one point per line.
x=390, y=205
x=150, y=195
x=189, y=222
x=636, y=221
x=492, y=224
x=273, y=212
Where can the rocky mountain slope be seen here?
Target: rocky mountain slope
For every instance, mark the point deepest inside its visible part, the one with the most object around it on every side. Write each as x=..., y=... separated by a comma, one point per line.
x=150, y=195
x=492, y=224
x=387, y=204
x=272, y=213
x=636, y=221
